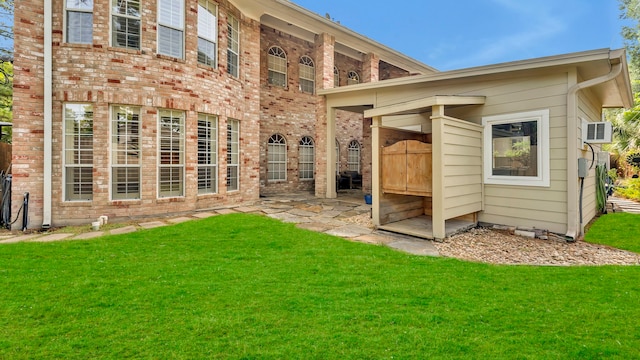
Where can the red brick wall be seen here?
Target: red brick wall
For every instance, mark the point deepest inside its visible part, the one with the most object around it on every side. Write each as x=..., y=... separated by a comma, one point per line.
x=102, y=76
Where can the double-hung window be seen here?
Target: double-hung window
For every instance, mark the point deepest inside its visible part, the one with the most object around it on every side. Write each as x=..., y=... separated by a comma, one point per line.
x=277, y=158
x=353, y=78
x=207, y=154
x=78, y=152
x=233, y=46
x=125, y=153
x=307, y=75
x=171, y=28
x=207, y=32
x=171, y=153
x=277, y=63
x=125, y=24
x=306, y=163
x=79, y=21
x=516, y=149
x=233, y=155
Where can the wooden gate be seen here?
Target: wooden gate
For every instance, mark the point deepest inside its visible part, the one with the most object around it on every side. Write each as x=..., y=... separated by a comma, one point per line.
x=406, y=168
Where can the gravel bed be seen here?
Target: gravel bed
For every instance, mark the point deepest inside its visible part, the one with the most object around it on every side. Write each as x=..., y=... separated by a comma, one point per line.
x=497, y=247
x=500, y=247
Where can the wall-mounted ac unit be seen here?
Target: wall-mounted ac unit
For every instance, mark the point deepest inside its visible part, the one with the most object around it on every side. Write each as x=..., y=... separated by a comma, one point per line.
x=596, y=132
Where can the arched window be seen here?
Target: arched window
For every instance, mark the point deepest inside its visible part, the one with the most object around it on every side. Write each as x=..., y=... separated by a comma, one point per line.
x=353, y=78
x=337, y=157
x=277, y=158
x=277, y=67
x=353, y=158
x=306, y=163
x=307, y=75
x=336, y=77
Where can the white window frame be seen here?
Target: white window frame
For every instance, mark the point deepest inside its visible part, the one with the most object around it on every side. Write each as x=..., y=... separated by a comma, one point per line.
x=208, y=32
x=307, y=74
x=171, y=22
x=277, y=65
x=207, y=154
x=353, y=156
x=307, y=159
x=543, y=170
x=233, y=46
x=125, y=146
x=233, y=155
x=75, y=155
x=127, y=14
x=177, y=132
x=276, y=158
x=82, y=7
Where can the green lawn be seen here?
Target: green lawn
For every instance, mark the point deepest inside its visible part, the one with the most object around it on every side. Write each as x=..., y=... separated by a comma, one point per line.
x=249, y=287
x=620, y=230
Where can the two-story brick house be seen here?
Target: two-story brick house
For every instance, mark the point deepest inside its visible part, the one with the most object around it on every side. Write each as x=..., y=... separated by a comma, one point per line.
x=133, y=108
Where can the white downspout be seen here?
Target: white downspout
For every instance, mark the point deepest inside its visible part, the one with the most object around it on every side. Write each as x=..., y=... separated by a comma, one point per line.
x=574, y=229
x=47, y=131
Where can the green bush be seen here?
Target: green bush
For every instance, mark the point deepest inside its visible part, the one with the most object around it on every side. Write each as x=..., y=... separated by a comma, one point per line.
x=630, y=189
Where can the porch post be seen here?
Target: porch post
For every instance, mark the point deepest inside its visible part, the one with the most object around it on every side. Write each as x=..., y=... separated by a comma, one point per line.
x=375, y=170
x=438, y=218
x=331, y=152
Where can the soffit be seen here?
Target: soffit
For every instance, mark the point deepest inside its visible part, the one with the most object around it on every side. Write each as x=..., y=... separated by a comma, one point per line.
x=424, y=105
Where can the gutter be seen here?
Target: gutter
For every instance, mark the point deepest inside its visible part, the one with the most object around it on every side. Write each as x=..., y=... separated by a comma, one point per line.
x=574, y=227
x=47, y=131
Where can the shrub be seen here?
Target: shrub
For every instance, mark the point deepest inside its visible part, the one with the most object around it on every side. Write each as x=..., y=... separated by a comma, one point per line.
x=630, y=189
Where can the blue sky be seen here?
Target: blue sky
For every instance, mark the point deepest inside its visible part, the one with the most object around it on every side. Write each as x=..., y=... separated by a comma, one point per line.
x=455, y=34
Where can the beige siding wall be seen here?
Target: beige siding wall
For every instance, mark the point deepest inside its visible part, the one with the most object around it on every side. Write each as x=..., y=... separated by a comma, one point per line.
x=526, y=206
x=462, y=152
x=588, y=109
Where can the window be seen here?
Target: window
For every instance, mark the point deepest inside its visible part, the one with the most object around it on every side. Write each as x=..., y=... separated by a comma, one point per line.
x=277, y=67
x=277, y=158
x=306, y=163
x=171, y=153
x=207, y=32
x=353, y=156
x=233, y=46
x=233, y=155
x=516, y=149
x=78, y=152
x=307, y=75
x=353, y=78
x=125, y=24
x=337, y=157
x=125, y=153
x=207, y=154
x=171, y=28
x=336, y=77
x=79, y=21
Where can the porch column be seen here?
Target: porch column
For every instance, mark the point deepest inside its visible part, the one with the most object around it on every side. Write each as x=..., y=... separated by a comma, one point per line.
x=331, y=153
x=376, y=192
x=439, y=231
x=324, y=54
x=371, y=68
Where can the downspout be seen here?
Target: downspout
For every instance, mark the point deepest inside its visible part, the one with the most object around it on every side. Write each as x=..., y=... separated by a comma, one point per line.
x=574, y=229
x=47, y=131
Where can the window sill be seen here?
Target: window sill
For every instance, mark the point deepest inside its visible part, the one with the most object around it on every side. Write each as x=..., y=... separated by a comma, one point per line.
x=77, y=203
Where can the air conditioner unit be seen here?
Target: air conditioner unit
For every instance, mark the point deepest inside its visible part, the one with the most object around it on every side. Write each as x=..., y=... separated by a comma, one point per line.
x=596, y=132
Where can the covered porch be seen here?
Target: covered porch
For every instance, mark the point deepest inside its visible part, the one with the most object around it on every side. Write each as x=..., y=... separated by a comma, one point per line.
x=426, y=174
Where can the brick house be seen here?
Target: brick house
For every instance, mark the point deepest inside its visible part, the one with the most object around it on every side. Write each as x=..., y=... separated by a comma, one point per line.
x=136, y=108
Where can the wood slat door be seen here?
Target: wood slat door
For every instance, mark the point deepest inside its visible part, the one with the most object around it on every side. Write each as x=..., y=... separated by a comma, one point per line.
x=394, y=167
x=419, y=167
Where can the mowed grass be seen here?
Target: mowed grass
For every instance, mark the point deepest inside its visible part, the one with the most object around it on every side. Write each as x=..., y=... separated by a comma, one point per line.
x=620, y=230
x=249, y=287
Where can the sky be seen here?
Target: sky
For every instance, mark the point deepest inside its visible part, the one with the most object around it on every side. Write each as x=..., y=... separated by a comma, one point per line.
x=456, y=34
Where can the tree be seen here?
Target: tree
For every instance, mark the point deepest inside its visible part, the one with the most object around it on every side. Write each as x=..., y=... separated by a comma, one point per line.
x=6, y=67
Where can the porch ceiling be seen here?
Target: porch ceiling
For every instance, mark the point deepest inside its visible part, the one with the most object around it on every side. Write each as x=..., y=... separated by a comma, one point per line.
x=424, y=105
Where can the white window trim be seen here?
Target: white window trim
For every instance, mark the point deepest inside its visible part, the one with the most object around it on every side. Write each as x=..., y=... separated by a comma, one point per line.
x=126, y=16
x=213, y=139
x=159, y=164
x=544, y=173
x=112, y=163
x=213, y=37
x=172, y=27
x=230, y=20
x=65, y=164
x=68, y=9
